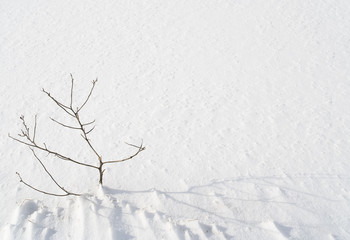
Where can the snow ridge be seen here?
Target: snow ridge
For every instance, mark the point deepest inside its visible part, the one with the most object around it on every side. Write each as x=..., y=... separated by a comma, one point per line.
x=88, y=217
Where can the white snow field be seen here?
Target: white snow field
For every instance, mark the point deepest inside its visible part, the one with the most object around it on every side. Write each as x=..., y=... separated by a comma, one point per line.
x=243, y=107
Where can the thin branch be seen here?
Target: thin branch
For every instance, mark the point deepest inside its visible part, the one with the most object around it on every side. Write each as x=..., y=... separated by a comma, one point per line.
x=90, y=130
x=34, y=133
x=56, y=101
x=38, y=190
x=84, y=135
x=25, y=133
x=132, y=145
x=61, y=105
x=45, y=149
x=85, y=124
x=88, y=97
x=66, y=158
x=58, y=185
x=28, y=144
x=140, y=149
x=71, y=92
x=64, y=125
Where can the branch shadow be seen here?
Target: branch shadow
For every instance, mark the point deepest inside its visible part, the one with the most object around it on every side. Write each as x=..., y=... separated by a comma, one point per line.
x=233, y=194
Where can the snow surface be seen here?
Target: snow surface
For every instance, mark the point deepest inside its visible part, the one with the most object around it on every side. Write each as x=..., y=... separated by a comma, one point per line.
x=243, y=107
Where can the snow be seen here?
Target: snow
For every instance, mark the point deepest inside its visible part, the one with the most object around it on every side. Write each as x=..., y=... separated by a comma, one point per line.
x=242, y=107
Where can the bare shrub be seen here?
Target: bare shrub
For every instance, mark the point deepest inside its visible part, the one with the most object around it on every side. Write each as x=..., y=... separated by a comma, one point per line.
x=29, y=138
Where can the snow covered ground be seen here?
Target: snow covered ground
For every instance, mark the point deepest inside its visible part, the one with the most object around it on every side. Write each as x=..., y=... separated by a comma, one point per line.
x=243, y=107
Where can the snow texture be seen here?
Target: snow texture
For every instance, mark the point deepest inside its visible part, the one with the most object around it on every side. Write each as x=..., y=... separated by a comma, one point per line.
x=243, y=107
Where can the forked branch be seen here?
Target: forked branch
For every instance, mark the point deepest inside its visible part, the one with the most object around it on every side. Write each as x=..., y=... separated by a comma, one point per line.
x=139, y=149
x=67, y=193
x=38, y=190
